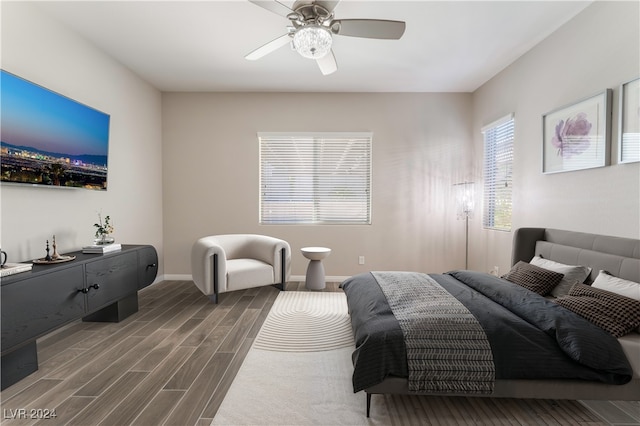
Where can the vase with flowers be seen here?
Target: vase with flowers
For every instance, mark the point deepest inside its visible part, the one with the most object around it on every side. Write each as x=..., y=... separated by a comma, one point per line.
x=104, y=228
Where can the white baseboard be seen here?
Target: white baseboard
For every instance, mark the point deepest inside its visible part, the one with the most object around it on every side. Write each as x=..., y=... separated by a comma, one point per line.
x=328, y=278
x=189, y=277
x=177, y=277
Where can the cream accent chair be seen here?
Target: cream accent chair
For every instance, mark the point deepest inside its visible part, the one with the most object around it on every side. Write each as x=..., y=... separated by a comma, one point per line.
x=231, y=262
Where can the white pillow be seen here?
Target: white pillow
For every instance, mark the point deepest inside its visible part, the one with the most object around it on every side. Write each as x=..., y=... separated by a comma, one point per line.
x=572, y=274
x=617, y=285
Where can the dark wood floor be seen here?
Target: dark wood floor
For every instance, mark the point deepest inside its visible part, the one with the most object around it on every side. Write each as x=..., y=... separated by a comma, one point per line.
x=169, y=364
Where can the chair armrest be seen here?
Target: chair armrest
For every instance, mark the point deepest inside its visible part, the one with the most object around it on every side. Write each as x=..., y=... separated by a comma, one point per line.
x=269, y=250
x=202, y=255
x=282, y=248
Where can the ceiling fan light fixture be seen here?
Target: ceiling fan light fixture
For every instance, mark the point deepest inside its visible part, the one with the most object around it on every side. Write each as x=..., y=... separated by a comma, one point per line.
x=312, y=41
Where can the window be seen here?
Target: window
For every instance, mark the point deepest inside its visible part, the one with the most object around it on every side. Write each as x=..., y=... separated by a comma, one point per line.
x=498, y=166
x=320, y=178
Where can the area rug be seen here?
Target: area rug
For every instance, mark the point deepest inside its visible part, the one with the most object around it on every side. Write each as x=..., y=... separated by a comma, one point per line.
x=298, y=371
x=306, y=388
x=302, y=321
x=277, y=385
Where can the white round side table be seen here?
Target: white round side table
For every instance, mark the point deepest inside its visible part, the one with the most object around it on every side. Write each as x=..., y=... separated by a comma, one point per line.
x=315, y=270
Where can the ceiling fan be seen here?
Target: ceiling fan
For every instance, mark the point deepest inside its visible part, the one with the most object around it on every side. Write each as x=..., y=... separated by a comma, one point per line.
x=313, y=26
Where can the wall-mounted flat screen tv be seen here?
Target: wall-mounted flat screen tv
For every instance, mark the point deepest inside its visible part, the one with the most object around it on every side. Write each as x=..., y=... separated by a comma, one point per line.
x=49, y=139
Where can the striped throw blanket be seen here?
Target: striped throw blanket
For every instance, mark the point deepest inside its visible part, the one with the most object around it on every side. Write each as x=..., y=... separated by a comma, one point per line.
x=447, y=349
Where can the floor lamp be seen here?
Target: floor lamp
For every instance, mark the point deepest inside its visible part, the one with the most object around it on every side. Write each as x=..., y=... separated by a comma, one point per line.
x=464, y=210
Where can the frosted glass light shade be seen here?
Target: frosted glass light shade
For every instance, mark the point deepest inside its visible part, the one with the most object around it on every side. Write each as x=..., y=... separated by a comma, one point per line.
x=312, y=41
x=464, y=199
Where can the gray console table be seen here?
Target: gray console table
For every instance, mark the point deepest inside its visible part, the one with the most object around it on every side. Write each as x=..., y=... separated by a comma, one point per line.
x=94, y=287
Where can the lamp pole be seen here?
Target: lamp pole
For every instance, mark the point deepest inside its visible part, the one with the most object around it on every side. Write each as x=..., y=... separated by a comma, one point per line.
x=466, y=240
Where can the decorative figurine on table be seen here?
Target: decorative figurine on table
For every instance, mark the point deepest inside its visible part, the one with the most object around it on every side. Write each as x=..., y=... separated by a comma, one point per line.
x=55, y=255
x=47, y=258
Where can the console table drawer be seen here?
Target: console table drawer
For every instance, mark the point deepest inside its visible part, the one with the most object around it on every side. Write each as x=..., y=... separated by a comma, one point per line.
x=31, y=308
x=111, y=278
x=147, y=266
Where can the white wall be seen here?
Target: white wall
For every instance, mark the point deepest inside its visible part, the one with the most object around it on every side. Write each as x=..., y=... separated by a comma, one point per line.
x=423, y=143
x=598, y=49
x=41, y=50
x=420, y=148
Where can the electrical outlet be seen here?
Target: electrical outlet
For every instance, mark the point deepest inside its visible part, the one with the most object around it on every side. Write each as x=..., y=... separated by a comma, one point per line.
x=495, y=271
x=360, y=260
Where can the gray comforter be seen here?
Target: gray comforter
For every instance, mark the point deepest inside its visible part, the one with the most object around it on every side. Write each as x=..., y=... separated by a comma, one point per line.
x=530, y=337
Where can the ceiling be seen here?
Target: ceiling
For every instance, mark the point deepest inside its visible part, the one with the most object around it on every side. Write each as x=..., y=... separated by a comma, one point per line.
x=448, y=46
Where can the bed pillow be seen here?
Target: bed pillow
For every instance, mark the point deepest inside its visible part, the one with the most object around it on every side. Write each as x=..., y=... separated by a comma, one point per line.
x=619, y=315
x=572, y=274
x=608, y=282
x=534, y=278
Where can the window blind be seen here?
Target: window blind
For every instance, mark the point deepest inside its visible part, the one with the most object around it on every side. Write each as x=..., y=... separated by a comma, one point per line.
x=498, y=171
x=315, y=178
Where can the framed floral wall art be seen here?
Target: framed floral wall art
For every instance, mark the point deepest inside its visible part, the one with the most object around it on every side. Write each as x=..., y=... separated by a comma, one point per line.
x=577, y=136
x=629, y=123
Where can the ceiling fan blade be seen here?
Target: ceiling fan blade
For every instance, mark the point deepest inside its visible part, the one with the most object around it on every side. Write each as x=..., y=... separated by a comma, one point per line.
x=273, y=6
x=369, y=28
x=327, y=63
x=269, y=47
x=329, y=5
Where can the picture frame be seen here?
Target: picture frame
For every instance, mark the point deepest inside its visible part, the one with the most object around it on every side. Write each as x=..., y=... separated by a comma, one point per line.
x=578, y=136
x=629, y=122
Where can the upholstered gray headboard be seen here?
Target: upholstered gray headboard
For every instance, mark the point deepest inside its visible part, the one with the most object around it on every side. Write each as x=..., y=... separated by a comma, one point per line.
x=618, y=256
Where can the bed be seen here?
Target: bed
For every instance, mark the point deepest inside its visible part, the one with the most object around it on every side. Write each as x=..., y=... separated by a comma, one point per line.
x=511, y=341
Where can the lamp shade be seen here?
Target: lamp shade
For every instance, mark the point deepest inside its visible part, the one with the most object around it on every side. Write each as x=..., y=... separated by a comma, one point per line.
x=464, y=199
x=312, y=41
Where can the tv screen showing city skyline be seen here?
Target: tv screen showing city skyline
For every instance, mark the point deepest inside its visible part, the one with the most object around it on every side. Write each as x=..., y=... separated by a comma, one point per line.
x=49, y=139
